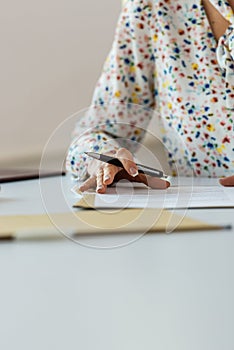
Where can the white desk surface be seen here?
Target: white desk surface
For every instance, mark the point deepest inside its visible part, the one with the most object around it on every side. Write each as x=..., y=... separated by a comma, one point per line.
x=163, y=292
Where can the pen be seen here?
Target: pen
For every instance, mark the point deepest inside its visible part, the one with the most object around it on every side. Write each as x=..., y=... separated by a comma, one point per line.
x=141, y=168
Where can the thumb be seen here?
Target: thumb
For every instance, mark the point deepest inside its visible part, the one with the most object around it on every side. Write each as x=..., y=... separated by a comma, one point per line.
x=227, y=181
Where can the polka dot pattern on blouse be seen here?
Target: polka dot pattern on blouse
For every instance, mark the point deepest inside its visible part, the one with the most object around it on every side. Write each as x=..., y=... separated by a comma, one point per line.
x=165, y=62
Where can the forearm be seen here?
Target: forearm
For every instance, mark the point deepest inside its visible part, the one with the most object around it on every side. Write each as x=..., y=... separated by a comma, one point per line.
x=123, y=98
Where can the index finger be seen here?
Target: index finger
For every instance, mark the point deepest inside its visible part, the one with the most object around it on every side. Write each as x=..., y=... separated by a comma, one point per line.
x=227, y=181
x=126, y=158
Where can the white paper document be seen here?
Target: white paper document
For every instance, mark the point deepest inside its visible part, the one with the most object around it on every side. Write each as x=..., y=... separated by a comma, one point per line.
x=183, y=193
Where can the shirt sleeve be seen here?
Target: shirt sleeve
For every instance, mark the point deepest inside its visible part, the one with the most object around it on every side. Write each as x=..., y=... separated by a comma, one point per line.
x=124, y=95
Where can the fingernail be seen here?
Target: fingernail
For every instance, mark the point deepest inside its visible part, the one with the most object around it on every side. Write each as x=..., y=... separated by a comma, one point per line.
x=106, y=178
x=99, y=188
x=133, y=172
x=222, y=181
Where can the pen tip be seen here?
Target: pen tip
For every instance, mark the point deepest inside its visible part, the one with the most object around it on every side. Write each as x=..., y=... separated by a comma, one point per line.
x=93, y=155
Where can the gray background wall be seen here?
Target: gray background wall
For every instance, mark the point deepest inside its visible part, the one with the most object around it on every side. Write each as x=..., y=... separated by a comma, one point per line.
x=52, y=53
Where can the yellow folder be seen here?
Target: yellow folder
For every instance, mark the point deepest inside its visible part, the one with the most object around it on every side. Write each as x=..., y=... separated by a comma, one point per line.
x=84, y=222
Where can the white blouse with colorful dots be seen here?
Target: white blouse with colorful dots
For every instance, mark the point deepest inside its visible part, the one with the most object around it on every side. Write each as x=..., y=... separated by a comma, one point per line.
x=165, y=61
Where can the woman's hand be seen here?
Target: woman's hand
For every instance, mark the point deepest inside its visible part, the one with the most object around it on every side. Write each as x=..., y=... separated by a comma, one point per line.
x=104, y=174
x=227, y=181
